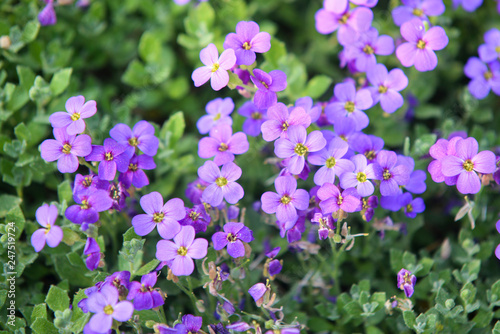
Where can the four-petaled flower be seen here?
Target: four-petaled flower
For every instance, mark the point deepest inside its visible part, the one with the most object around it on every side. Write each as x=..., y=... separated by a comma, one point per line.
x=142, y=136
x=247, y=41
x=222, y=183
x=267, y=84
x=51, y=234
x=215, y=68
x=112, y=156
x=77, y=109
x=222, y=144
x=233, y=237
x=143, y=294
x=406, y=282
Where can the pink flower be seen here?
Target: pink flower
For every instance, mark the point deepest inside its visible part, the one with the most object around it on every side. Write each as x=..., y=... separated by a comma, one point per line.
x=215, y=67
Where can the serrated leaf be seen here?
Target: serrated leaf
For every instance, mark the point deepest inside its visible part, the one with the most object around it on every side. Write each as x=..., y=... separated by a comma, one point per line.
x=57, y=299
x=60, y=81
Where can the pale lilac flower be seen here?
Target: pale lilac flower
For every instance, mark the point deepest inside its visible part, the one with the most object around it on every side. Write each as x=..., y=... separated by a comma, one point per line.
x=233, y=237
x=468, y=5
x=406, y=282
x=416, y=183
x=141, y=136
x=484, y=77
x=194, y=190
x=333, y=200
x=490, y=51
x=267, y=85
x=297, y=145
x=180, y=253
x=143, y=294
x=77, y=109
x=439, y=151
x=420, y=9
x=419, y=50
x=364, y=48
x=50, y=233
x=307, y=103
x=93, y=252
x=390, y=174
x=386, y=87
x=345, y=129
x=247, y=41
x=222, y=183
x=280, y=119
x=163, y=216
x=215, y=68
x=218, y=111
x=330, y=158
x=66, y=149
x=360, y=177
x=255, y=118
x=112, y=156
x=222, y=144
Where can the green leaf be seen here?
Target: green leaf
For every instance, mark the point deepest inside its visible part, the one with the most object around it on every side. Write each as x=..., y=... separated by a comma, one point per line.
x=64, y=192
x=277, y=51
x=57, y=299
x=428, y=111
x=149, y=47
x=70, y=236
x=60, y=81
x=30, y=31
x=353, y=308
x=175, y=126
x=423, y=144
x=483, y=318
x=425, y=266
x=16, y=216
x=130, y=234
x=317, y=86
x=43, y=326
x=396, y=259
x=26, y=77
x=148, y=267
x=410, y=319
x=135, y=75
x=470, y=270
x=17, y=99
x=22, y=132
x=40, y=92
x=7, y=203
x=39, y=311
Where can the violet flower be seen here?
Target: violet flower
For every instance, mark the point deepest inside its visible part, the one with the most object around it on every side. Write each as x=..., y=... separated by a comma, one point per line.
x=50, y=233
x=247, y=41
x=218, y=111
x=222, y=183
x=296, y=147
x=360, y=177
x=143, y=294
x=93, y=251
x=195, y=189
x=233, y=237
x=391, y=176
x=267, y=84
x=255, y=118
x=416, y=183
x=133, y=174
x=412, y=206
x=420, y=9
x=419, y=50
x=88, y=207
x=197, y=217
x=439, y=151
x=85, y=185
x=180, y=253
x=47, y=15
x=280, y=119
x=66, y=149
x=386, y=87
x=215, y=68
x=222, y=144
x=332, y=200
x=468, y=5
x=141, y=136
x=490, y=51
x=307, y=103
x=112, y=156
x=406, y=282
x=258, y=291
x=484, y=77
x=163, y=216
x=368, y=145
x=77, y=110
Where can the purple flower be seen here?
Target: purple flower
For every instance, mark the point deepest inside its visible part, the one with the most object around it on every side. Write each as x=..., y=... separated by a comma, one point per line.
x=93, y=251
x=222, y=183
x=255, y=118
x=364, y=48
x=120, y=280
x=118, y=194
x=180, y=253
x=280, y=119
x=112, y=156
x=349, y=103
x=267, y=85
x=406, y=282
x=194, y=190
x=164, y=216
x=468, y=5
x=47, y=16
x=141, y=136
x=222, y=144
x=298, y=144
x=143, y=294
x=247, y=41
x=286, y=201
x=218, y=111
x=133, y=174
x=275, y=267
x=391, y=175
x=72, y=120
x=417, y=9
x=197, y=217
x=419, y=50
x=88, y=184
x=332, y=200
x=330, y=158
x=368, y=207
x=490, y=51
x=386, y=87
x=314, y=111
x=65, y=149
x=104, y=303
x=88, y=207
x=215, y=68
x=51, y=234
x=345, y=129
x=412, y=206
x=466, y=163
x=368, y=145
x=360, y=177
x=439, y=151
x=483, y=77
x=416, y=184
x=257, y=291
x=233, y=237
x=190, y=324
x=239, y=326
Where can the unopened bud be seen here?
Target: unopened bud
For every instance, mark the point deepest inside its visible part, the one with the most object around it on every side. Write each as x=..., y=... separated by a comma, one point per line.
x=5, y=42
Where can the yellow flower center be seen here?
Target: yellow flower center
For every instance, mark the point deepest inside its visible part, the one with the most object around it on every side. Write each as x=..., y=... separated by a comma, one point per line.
x=468, y=165
x=343, y=137
x=108, y=309
x=194, y=215
x=421, y=44
x=246, y=46
x=488, y=75
x=87, y=182
x=418, y=12
x=182, y=251
x=330, y=162
x=349, y=106
x=368, y=50
x=84, y=205
x=285, y=126
x=47, y=229
x=223, y=147
x=370, y=155
x=339, y=201
x=217, y=117
x=285, y=199
x=133, y=141
x=66, y=148
x=108, y=156
x=382, y=89
x=409, y=208
x=221, y=181
x=75, y=116
x=361, y=177
x=387, y=174
x=115, y=192
x=158, y=217
x=264, y=84
x=344, y=18
x=132, y=167
x=256, y=115
x=300, y=149
x=231, y=237
x=215, y=67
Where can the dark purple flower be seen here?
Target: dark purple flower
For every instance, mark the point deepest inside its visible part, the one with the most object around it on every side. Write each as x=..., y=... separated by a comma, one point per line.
x=386, y=87
x=51, y=234
x=195, y=189
x=332, y=200
x=180, y=253
x=490, y=51
x=267, y=85
x=88, y=184
x=412, y=206
x=190, y=324
x=222, y=183
x=215, y=68
x=360, y=177
x=47, y=16
x=286, y=201
x=392, y=203
x=466, y=163
x=143, y=294
x=118, y=194
x=93, y=251
x=275, y=267
x=349, y=103
x=222, y=144
x=239, y=326
x=164, y=216
x=364, y=48
x=247, y=41
x=255, y=118
x=134, y=174
x=406, y=282
x=104, y=303
x=218, y=111
x=417, y=9
x=72, y=120
x=141, y=136
x=483, y=77
x=391, y=175
x=88, y=207
x=233, y=237
x=112, y=156
x=65, y=149
x=197, y=217
x=419, y=50
x=280, y=119
x=368, y=207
